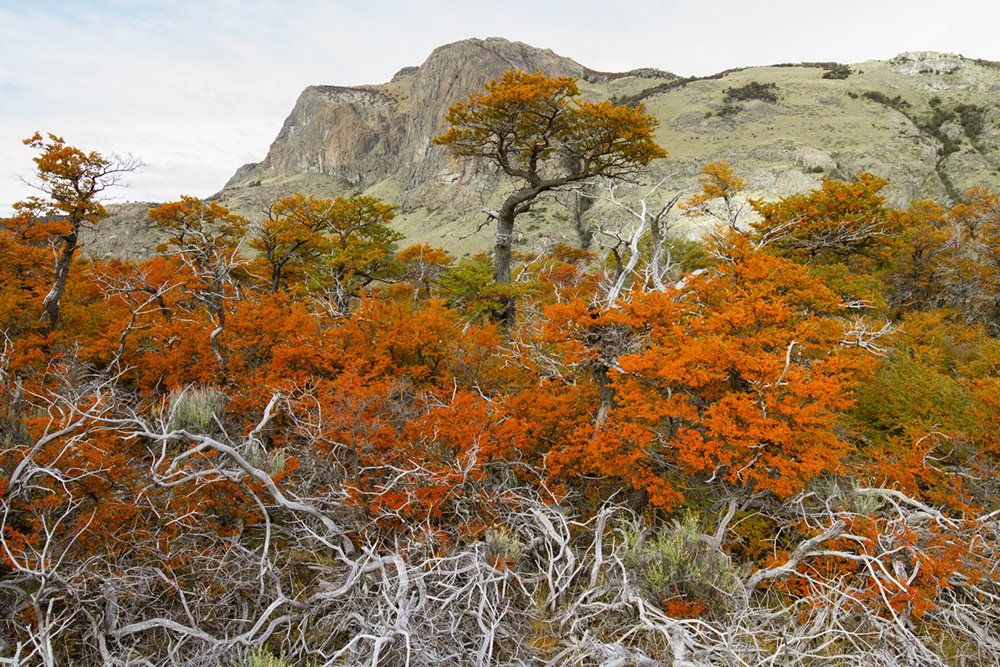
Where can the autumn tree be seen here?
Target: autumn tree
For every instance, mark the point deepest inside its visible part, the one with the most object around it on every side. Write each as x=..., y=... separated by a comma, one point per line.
x=70, y=181
x=423, y=265
x=970, y=275
x=741, y=378
x=361, y=248
x=24, y=274
x=343, y=244
x=206, y=236
x=293, y=236
x=840, y=222
x=950, y=259
x=531, y=128
x=721, y=196
x=913, y=280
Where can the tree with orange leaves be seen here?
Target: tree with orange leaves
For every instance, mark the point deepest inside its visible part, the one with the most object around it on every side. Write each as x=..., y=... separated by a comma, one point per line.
x=71, y=181
x=971, y=276
x=423, y=265
x=207, y=237
x=741, y=379
x=841, y=222
x=721, y=195
x=531, y=128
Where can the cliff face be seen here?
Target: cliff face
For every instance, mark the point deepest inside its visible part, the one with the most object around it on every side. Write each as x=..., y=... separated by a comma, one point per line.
x=929, y=122
x=352, y=134
x=363, y=135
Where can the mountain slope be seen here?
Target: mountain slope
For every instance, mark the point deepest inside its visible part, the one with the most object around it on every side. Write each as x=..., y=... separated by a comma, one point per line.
x=927, y=121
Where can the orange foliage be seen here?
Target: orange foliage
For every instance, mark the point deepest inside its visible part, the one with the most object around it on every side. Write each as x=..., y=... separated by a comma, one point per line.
x=734, y=382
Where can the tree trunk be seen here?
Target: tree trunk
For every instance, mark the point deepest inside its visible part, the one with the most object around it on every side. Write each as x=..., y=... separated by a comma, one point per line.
x=515, y=204
x=606, y=394
x=581, y=204
x=219, y=316
x=502, y=260
x=52, y=299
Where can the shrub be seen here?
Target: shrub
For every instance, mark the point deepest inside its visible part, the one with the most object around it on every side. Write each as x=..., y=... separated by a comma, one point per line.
x=897, y=102
x=972, y=118
x=468, y=285
x=673, y=84
x=728, y=109
x=765, y=92
x=263, y=658
x=677, y=561
x=837, y=71
x=503, y=545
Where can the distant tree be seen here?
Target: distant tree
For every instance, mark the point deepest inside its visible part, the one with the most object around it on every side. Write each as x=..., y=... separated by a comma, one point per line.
x=423, y=264
x=70, y=181
x=721, y=195
x=841, y=222
x=950, y=259
x=342, y=244
x=836, y=71
x=530, y=128
x=972, y=273
x=293, y=236
x=362, y=249
x=765, y=92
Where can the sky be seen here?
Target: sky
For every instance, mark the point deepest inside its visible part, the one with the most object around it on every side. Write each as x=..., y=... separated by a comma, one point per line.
x=197, y=88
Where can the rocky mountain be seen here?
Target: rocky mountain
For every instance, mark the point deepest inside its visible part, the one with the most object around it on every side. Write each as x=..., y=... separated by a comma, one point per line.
x=929, y=122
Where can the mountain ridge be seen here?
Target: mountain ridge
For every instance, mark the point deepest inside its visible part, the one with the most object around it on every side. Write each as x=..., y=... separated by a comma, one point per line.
x=897, y=118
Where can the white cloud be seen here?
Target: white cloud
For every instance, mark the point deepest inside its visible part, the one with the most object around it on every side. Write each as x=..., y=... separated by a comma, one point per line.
x=198, y=88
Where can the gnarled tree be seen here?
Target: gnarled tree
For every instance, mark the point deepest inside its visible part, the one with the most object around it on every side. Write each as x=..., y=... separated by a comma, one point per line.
x=206, y=236
x=70, y=181
x=531, y=128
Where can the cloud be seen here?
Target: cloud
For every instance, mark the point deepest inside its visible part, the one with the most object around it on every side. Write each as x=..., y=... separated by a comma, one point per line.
x=196, y=89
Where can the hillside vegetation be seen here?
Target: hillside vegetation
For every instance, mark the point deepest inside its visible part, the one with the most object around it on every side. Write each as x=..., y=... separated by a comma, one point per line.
x=304, y=440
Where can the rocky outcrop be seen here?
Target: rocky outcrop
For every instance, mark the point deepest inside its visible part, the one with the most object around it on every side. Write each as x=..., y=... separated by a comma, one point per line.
x=814, y=161
x=362, y=135
x=352, y=134
x=915, y=63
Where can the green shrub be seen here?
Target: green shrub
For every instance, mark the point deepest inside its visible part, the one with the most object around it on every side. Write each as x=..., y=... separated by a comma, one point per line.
x=897, y=102
x=837, y=71
x=261, y=657
x=504, y=543
x=666, y=86
x=765, y=92
x=687, y=255
x=972, y=119
x=728, y=109
x=677, y=561
x=468, y=286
